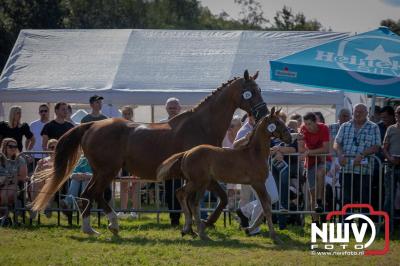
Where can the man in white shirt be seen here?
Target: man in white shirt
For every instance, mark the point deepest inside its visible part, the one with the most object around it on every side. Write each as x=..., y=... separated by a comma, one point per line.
x=36, y=128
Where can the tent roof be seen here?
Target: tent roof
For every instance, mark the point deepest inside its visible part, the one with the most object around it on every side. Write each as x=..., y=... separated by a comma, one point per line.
x=147, y=66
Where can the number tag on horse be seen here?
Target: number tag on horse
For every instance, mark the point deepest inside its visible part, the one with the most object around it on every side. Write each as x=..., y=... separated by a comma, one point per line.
x=271, y=127
x=247, y=95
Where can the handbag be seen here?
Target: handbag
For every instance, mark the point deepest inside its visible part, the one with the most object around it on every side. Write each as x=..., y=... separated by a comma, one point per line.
x=272, y=189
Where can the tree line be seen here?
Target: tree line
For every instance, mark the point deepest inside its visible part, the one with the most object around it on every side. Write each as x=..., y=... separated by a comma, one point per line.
x=139, y=14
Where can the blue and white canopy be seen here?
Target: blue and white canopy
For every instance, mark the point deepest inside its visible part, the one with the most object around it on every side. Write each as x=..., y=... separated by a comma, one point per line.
x=368, y=62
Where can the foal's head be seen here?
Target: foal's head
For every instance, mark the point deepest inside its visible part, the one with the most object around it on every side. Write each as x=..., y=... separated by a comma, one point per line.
x=275, y=127
x=249, y=96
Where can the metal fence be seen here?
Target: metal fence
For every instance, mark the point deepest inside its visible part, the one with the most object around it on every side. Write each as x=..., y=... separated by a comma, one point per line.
x=373, y=182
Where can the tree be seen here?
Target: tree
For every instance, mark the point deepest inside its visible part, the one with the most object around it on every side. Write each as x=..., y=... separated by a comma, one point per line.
x=285, y=19
x=392, y=25
x=157, y=14
x=251, y=14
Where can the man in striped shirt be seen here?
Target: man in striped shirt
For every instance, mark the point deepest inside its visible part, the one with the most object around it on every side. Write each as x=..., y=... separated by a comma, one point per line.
x=355, y=140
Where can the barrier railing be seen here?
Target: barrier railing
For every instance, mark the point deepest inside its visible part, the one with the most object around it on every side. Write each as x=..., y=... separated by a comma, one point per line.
x=360, y=185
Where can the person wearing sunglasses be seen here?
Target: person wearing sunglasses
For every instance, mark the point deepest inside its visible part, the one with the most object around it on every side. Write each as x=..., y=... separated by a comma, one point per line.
x=12, y=170
x=355, y=140
x=36, y=128
x=17, y=130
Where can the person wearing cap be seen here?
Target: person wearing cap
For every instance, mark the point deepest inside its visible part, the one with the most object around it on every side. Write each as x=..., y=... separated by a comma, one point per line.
x=96, y=115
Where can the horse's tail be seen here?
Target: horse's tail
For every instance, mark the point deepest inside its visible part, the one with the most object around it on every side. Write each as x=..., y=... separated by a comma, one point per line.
x=66, y=157
x=171, y=168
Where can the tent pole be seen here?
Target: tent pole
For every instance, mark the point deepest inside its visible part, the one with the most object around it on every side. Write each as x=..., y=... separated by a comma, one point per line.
x=152, y=113
x=2, y=114
x=372, y=109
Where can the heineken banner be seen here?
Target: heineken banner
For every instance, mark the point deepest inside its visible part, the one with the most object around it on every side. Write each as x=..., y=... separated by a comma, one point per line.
x=368, y=62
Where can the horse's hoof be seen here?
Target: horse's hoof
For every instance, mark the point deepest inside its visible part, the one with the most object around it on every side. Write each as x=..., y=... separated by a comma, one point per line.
x=194, y=234
x=277, y=241
x=91, y=232
x=208, y=224
x=205, y=238
x=113, y=230
x=187, y=231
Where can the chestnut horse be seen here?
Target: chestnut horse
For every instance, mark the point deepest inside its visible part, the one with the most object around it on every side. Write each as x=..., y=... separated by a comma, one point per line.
x=140, y=148
x=246, y=164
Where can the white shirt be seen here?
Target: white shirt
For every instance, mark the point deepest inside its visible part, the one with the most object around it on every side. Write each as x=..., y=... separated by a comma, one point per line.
x=226, y=143
x=36, y=128
x=244, y=130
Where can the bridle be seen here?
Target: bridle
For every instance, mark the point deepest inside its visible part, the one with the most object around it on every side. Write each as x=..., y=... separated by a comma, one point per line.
x=260, y=109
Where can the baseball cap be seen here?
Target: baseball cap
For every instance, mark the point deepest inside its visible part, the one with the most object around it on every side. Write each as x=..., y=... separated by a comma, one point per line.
x=95, y=98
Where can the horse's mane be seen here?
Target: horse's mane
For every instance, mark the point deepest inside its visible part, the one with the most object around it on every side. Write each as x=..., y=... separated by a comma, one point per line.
x=205, y=100
x=181, y=116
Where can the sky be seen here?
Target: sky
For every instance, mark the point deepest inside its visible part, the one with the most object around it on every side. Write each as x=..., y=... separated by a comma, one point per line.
x=339, y=15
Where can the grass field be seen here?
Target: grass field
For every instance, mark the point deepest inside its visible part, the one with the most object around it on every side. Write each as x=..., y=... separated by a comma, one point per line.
x=144, y=242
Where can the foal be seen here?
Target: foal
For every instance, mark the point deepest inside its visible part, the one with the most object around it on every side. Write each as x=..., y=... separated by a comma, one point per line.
x=244, y=165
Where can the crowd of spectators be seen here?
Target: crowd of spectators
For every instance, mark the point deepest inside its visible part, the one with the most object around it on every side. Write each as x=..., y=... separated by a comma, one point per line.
x=341, y=151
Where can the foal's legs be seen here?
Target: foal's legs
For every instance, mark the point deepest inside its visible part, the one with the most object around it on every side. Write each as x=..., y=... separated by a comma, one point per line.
x=216, y=188
x=181, y=196
x=266, y=204
x=195, y=197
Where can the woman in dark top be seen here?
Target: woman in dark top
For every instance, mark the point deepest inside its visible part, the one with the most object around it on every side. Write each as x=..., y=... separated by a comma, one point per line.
x=16, y=130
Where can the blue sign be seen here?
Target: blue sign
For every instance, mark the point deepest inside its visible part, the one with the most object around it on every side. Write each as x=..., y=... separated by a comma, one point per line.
x=368, y=63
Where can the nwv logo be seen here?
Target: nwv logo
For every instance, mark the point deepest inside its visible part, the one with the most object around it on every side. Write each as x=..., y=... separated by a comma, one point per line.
x=340, y=233
x=337, y=235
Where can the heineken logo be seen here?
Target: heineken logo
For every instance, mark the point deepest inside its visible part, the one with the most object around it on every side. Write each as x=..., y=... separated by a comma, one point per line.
x=376, y=59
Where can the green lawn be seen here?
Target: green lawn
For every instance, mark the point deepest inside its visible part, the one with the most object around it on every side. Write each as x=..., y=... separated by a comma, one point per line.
x=145, y=242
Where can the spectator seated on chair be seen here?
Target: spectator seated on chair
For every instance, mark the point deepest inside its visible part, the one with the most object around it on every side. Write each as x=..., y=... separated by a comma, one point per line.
x=37, y=183
x=13, y=169
x=79, y=180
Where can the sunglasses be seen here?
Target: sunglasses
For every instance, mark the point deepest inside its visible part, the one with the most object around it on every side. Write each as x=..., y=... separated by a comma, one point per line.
x=355, y=141
x=12, y=146
x=43, y=111
x=52, y=147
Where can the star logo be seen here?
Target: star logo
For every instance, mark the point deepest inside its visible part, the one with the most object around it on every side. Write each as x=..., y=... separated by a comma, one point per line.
x=378, y=54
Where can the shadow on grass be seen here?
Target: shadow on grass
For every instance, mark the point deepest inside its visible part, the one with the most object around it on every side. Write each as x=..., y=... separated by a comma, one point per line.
x=36, y=227
x=138, y=240
x=220, y=239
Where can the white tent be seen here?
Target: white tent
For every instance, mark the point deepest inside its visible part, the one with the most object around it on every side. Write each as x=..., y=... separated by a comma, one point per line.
x=146, y=67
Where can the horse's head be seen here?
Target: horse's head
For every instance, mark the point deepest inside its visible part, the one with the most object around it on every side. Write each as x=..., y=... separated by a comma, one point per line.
x=250, y=96
x=276, y=127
